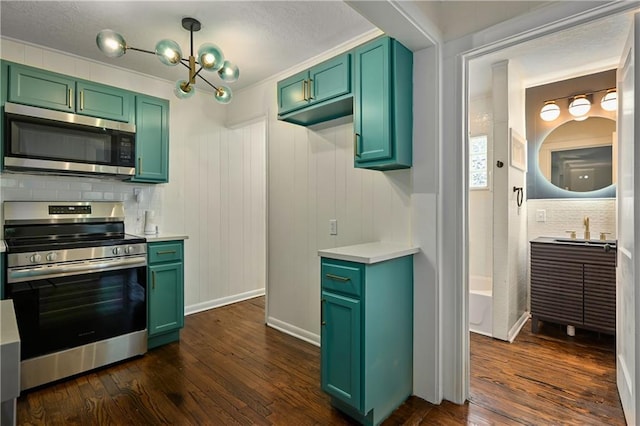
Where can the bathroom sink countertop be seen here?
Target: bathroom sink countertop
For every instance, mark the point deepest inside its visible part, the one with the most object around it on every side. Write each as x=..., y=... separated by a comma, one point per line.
x=564, y=240
x=369, y=253
x=155, y=238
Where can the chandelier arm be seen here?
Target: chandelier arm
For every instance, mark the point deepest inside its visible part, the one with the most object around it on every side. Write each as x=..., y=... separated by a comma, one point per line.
x=140, y=50
x=206, y=81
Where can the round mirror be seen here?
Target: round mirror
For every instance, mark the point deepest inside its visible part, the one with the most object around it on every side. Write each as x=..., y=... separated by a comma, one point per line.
x=580, y=156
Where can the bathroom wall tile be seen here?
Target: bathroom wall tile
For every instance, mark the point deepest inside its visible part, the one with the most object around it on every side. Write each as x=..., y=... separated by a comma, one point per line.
x=568, y=215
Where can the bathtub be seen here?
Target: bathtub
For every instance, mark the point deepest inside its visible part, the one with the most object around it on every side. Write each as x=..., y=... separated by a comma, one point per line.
x=480, y=305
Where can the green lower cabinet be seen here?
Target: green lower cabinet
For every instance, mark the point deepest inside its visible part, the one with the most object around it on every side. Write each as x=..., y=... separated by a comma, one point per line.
x=165, y=285
x=367, y=336
x=152, y=140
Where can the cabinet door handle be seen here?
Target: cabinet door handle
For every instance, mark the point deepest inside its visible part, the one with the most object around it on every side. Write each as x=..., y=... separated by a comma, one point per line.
x=153, y=280
x=166, y=252
x=356, y=151
x=322, y=321
x=337, y=278
x=70, y=98
x=81, y=100
x=304, y=90
x=310, y=88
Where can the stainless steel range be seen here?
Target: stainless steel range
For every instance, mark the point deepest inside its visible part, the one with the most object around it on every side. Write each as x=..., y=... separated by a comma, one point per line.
x=79, y=286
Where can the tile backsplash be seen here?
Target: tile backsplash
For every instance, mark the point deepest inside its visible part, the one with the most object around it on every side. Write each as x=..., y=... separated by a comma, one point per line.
x=567, y=215
x=27, y=187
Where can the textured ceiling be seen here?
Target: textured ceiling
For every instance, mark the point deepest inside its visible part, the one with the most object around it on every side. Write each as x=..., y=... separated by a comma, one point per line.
x=261, y=37
x=581, y=50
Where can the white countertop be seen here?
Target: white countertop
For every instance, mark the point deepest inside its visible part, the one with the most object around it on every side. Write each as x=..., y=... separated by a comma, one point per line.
x=370, y=252
x=154, y=238
x=3, y=246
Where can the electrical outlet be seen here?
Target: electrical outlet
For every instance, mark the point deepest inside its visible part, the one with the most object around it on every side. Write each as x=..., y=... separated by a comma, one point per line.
x=541, y=215
x=137, y=194
x=333, y=227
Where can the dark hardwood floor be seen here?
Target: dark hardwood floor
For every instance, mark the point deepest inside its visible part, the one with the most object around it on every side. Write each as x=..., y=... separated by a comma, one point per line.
x=229, y=368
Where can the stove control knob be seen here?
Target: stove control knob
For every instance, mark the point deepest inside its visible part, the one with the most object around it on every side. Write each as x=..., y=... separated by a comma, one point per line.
x=117, y=250
x=35, y=258
x=52, y=256
x=129, y=250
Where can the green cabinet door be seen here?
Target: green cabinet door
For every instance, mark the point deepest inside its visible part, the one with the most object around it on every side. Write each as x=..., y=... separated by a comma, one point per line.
x=152, y=140
x=383, y=105
x=318, y=94
x=166, y=300
x=40, y=88
x=340, y=350
x=330, y=79
x=292, y=92
x=97, y=100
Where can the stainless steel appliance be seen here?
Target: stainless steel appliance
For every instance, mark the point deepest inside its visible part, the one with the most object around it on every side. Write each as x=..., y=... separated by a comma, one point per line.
x=59, y=142
x=79, y=287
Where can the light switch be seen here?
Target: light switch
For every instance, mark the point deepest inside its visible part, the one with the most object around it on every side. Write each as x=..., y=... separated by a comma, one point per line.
x=333, y=227
x=541, y=215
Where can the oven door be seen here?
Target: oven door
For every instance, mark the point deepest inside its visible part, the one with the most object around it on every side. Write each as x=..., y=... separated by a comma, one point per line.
x=68, y=305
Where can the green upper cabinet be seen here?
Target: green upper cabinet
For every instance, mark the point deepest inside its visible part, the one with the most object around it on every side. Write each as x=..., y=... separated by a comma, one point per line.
x=152, y=140
x=35, y=87
x=318, y=94
x=102, y=101
x=383, y=105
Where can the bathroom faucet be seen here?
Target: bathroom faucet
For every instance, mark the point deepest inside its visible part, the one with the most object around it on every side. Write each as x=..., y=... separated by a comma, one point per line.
x=587, y=234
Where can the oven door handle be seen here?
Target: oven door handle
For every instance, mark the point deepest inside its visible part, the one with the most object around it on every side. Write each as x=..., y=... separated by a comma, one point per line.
x=16, y=275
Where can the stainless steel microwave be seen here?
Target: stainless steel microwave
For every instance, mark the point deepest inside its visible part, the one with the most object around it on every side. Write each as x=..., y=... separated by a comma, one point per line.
x=48, y=141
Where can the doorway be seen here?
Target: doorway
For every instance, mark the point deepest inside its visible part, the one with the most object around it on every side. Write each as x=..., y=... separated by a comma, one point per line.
x=535, y=63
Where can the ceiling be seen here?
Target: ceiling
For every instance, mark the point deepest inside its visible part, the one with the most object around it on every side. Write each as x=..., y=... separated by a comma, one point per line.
x=581, y=50
x=265, y=38
x=262, y=37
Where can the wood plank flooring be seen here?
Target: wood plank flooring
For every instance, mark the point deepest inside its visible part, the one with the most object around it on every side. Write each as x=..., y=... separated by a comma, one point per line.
x=230, y=369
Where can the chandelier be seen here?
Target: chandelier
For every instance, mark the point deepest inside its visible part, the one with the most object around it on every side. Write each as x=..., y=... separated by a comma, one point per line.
x=210, y=58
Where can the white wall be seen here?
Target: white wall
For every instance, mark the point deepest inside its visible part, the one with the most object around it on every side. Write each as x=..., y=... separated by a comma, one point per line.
x=216, y=189
x=312, y=180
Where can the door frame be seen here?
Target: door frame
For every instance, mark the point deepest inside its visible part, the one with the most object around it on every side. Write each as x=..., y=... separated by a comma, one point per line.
x=462, y=106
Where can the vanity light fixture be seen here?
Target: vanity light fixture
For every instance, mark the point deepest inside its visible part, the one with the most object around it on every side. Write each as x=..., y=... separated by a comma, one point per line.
x=210, y=58
x=609, y=101
x=579, y=105
x=550, y=111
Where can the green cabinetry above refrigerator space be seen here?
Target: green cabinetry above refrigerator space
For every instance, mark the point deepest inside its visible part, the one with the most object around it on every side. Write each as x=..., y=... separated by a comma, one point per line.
x=45, y=89
x=165, y=284
x=152, y=140
x=318, y=94
x=383, y=105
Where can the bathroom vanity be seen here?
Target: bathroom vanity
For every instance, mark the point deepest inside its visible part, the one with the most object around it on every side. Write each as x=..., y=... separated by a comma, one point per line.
x=573, y=282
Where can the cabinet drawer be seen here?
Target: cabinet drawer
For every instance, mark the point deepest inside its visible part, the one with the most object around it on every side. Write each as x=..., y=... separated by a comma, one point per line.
x=342, y=277
x=165, y=252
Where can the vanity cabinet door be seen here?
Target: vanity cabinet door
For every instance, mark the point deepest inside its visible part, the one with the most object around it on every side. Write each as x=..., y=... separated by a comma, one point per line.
x=556, y=291
x=600, y=297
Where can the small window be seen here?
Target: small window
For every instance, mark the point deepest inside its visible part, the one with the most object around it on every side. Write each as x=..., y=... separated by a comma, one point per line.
x=478, y=161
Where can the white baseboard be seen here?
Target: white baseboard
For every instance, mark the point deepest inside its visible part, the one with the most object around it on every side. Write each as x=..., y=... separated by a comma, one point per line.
x=294, y=331
x=515, y=330
x=216, y=303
